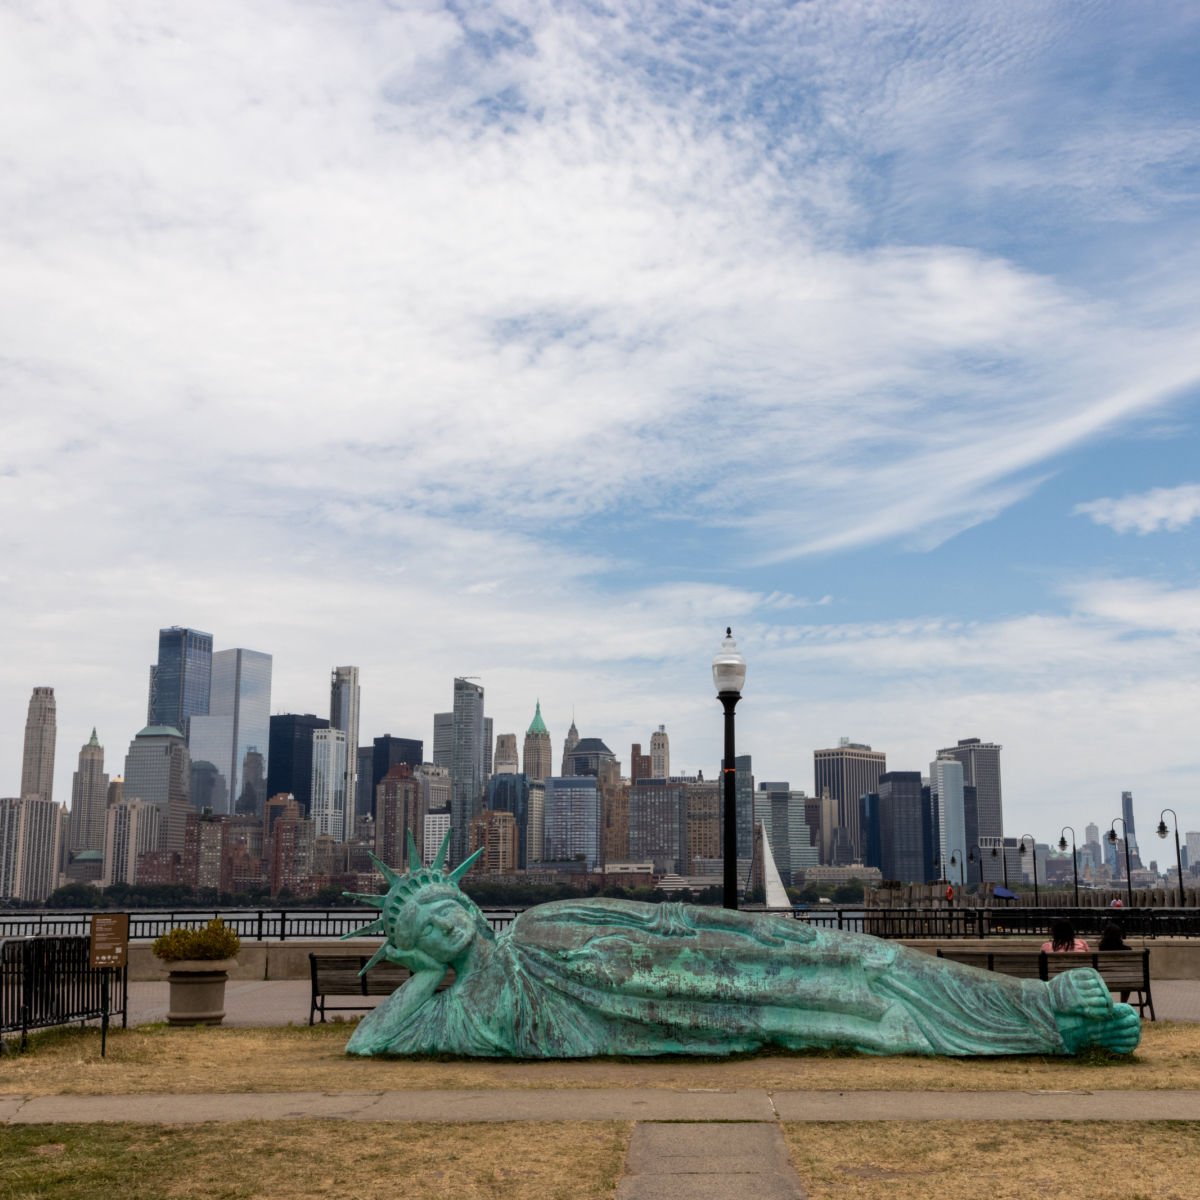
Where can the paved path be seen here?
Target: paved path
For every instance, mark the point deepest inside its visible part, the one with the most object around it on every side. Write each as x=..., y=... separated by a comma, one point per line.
x=285, y=1002
x=754, y=1105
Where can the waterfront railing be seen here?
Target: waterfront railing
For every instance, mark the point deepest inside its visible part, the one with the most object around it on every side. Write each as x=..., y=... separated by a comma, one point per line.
x=308, y=924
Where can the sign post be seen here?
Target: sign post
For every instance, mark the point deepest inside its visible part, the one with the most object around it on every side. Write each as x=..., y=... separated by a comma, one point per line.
x=108, y=951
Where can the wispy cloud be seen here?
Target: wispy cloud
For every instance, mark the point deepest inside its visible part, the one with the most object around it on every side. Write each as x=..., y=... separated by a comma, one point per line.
x=1170, y=509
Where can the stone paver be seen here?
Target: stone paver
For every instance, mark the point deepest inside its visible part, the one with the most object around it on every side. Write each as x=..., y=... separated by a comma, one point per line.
x=988, y=1106
x=696, y=1162
x=608, y=1104
x=285, y=1002
x=533, y=1104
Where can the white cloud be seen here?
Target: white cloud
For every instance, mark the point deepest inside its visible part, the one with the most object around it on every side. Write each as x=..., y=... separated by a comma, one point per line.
x=1169, y=509
x=500, y=340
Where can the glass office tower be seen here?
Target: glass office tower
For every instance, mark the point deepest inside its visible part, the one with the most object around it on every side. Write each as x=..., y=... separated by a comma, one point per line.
x=181, y=679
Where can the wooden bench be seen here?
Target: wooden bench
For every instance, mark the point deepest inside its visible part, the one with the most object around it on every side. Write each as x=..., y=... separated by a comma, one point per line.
x=338, y=975
x=1125, y=971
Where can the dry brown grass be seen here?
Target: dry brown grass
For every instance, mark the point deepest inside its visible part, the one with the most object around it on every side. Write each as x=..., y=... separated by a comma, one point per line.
x=160, y=1059
x=1002, y=1160
x=311, y=1159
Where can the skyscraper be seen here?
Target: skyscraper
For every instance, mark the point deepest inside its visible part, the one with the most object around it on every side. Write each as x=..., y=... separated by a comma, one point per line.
x=10, y=812
x=443, y=740
x=505, y=761
x=572, y=820
x=509, y=792
x=289, y=759
x=847, y=771
x=1135, y=858
x=89, y=797
x=344, y=697
x=981, y=770
x=660, y=754
x=158, y=771
x=181, y=679
x=949, y=806
x=37, y=764
x=903, y=827
x=236, y=725
x=328, y=788
x=388, y=752
x=537, y=749
x=467, y=764
x=569, y=744
x=39, y=848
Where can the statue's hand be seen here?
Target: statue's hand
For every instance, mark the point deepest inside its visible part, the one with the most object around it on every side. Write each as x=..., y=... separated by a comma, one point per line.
x=417, y=961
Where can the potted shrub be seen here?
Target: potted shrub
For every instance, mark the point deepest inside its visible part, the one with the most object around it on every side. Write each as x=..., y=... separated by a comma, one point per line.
x=198, y=962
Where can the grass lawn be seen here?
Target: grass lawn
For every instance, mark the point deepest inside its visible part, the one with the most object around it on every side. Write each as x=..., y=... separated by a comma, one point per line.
x=302, y=1159
x=1002, y=1160
x=156, y=1058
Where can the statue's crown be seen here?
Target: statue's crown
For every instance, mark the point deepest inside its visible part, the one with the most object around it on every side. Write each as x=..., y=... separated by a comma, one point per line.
x=402, y=887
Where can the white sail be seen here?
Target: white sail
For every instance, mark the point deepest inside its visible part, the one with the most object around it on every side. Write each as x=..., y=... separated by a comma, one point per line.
x=776, y=893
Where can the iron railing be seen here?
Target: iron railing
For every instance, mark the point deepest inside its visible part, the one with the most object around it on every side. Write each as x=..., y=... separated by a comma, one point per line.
x=282, y=925
x=46, y=981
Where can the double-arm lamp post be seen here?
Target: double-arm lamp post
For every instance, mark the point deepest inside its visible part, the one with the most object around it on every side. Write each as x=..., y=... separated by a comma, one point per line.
x=956, y=860
x=1112, y=837
x=729, y=675
x=1162, y=833
x=1033, y=846
x=1062, y=845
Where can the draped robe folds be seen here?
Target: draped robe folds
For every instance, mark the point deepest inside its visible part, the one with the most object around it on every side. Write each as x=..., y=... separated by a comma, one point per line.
x=575, y=979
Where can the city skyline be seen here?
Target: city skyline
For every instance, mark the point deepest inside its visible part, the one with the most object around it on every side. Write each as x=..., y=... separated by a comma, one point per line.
x=541, y=344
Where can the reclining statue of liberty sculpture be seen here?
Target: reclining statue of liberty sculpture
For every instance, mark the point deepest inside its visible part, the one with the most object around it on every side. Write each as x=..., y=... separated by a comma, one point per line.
x=577, y=978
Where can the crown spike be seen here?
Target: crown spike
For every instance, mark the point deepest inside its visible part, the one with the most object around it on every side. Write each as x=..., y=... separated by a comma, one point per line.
x=374, y=928
x=374, y=900
x=440, y=861
x=414, y=859
x=392, y=877
x=374, y=959
x=464, y=866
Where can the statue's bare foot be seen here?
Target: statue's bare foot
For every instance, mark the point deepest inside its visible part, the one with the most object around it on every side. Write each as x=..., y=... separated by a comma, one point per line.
x=1086, y=1015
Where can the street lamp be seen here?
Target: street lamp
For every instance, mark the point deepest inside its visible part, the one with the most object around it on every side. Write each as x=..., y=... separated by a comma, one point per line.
x=1003, y=852
x=1062, y=845
x=729, y=674
x=1162, y=833
x=1036, y=902
x=1112, y=837
x=956, y=860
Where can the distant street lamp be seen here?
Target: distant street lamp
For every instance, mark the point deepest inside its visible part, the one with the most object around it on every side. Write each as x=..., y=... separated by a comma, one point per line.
x=1003, y=852
x=1062, y=845
x=1162, y=833
x=1036, y=902
x=729, y=676
x=956, y=860
x=1112, y=838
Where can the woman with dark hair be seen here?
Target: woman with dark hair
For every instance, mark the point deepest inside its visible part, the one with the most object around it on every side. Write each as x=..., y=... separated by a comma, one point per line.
x=1111, y=939
x=1063, y=939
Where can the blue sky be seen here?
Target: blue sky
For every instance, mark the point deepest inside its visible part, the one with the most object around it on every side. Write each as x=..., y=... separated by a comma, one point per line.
x=540, y=341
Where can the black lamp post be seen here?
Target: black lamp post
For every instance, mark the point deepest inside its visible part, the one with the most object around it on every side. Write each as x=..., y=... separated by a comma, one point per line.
x=1036, y=902
x=1062, y=845
x=729, y=675
x=1003, y=852
x=1112, y=837
x=956, y=860
x=1162, y=833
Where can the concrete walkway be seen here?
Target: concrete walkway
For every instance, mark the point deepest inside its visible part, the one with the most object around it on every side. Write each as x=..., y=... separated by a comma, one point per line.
x=251, y=1002
x=745, y=1105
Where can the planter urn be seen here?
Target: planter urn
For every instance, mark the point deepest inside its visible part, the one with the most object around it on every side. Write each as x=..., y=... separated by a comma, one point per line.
x=197, y=990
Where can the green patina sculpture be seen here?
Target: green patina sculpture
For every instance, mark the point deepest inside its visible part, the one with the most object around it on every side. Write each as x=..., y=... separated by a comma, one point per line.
x=579, y=978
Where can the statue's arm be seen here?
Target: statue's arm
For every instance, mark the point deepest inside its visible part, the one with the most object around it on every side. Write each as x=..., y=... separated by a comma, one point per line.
x=378, y=1029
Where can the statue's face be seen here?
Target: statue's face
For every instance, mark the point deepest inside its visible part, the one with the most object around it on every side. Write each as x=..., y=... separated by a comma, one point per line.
x=444, y=929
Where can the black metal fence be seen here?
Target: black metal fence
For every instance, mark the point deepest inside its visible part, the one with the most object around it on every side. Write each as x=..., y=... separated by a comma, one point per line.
x=251, y=925
x=280, y=925
x=46, y=981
